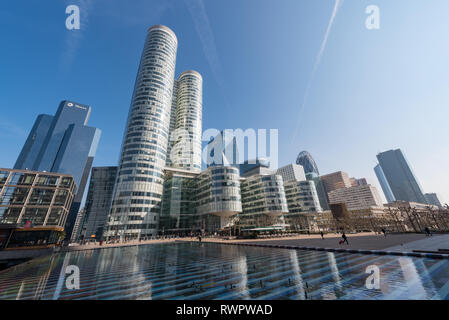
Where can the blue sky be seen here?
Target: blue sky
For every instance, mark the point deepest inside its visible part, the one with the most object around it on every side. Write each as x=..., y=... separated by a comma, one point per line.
x=373, y=90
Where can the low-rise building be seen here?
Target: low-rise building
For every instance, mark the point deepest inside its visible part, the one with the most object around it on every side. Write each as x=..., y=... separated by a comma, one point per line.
x=33, y=207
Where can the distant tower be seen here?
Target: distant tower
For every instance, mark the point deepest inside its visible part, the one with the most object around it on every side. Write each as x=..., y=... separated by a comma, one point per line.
x=305, y=159
x=399, y=177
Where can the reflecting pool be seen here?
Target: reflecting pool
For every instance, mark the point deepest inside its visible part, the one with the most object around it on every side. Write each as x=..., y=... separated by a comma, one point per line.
x=215, y=271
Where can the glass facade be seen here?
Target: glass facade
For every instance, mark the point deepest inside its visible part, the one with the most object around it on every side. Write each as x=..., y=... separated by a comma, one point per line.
x=218, y=197
x=64, y=144
x=400, y=177
x=138, y=191
x=263, y=201
x=179, y=207
x=98, y=202
x=305, y=159
x=186, y=152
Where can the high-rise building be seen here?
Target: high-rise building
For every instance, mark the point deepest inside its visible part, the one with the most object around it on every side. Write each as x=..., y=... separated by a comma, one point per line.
x=384, y=184
x=358, y=197
x=336, y=180
x=98, y=202
x=305, y=159
x=399, y=176
x=65, y=144
x=432, y=199
x=292, y=172
x=186, y=150
x=138, y=191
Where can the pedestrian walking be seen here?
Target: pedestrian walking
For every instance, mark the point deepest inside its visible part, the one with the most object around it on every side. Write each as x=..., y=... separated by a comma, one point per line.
x=322, y=235
x=345, y=238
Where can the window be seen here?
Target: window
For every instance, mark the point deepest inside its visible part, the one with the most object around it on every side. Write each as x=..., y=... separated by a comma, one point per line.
x=44, y=180
x=3, y=176
x=14, y=195
x=41, y=197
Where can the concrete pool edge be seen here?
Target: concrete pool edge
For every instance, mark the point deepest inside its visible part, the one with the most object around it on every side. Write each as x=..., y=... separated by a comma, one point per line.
x=358, y=251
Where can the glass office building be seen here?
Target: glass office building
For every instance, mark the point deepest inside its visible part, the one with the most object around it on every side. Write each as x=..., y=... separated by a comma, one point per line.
x=98, y=202
x=384, y=184
x=138, y=192
x=186, y=150
x=305, y=159
x=398, y=175
x=178, y=215
x=63, y=143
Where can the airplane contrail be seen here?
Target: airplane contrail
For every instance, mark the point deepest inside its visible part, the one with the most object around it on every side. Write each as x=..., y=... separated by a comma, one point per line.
x=338, y=4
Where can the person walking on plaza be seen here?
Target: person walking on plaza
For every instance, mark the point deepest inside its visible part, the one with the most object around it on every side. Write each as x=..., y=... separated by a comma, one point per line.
x=322, y=235
x=345, y=238
x=384, y=232
x=199, y=238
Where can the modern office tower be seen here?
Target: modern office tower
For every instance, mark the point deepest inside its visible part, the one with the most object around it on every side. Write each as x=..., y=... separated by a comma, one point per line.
x=186, y=150
x=305, y=159
x=65, y=144
x=218, y=197
x=98, y=202
x=301, y=197
x=358, y=182
x=138, y=191
x=399, y=176
x=321, y=191
x=292, y=172
x=179, y=206
x=34, y=205
x=384, y=184
x=432, y=199
x=172, y=137
x=251, y=165
x=336, y=180
x=263, y=202
x=359, y=197
x=34, y=142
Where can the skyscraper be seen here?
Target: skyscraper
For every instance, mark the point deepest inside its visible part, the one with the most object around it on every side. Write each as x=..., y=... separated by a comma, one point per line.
x=399, y=177
x=65, y=144
x=138, y=191
x=305, y=159
x=384, y=184
x=186, y=150
x=98, y=201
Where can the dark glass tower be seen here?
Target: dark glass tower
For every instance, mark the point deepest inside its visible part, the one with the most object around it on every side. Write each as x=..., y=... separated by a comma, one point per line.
x=399, y=176
x=63, y=143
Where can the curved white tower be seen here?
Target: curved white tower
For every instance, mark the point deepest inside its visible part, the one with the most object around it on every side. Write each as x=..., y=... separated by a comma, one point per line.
x=138, y=190
x=186, y=152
